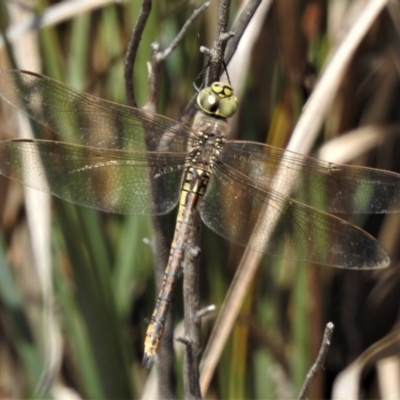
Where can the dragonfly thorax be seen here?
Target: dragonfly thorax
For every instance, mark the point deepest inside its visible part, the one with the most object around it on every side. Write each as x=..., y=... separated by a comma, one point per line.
x=218, y=100
x=208, y=147
x=211, y=133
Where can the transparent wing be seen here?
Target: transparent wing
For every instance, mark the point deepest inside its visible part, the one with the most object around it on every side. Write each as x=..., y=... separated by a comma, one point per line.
x=327, y=186
x=268, y=222
x=83, y=119
x=110, y=180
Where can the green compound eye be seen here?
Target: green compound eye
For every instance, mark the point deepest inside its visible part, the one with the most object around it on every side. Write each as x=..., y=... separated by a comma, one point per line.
x=218, y=99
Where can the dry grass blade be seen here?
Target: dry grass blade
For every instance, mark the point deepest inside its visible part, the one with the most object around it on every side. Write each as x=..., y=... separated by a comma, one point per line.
x=351, y=145
x=38, y=209
x=347, y=383
x=318, y=106
x=302, y=140
x=54, y=15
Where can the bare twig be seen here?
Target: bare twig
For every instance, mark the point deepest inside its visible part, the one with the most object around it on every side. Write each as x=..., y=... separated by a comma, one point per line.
x=218, y=50
x=161, y=236
x=216, y=57
x=132, y=49
x=164, y=54
x=235, y=35
x=158, y=57
x=319, y=363
x=239, y=28
x=204, y=311
x=165, y=353
x=191, y=297
x=160, y=242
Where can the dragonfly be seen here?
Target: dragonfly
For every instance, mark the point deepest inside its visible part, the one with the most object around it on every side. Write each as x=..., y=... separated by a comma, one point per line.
x=126, y=160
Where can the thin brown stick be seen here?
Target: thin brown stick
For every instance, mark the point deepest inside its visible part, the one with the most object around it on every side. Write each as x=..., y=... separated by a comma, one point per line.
x=191, y=278
x=238, y=29
x=159, y=56
x=235, y=35
x=191, y=295
x=319, y=363
x=164, y=54
x=132, y=49
x=205, y=311
x=160, y=242
x=218, y=50
x=192, y=328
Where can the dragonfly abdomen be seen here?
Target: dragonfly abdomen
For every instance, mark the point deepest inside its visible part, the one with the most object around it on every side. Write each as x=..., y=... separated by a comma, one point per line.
x=194, y=186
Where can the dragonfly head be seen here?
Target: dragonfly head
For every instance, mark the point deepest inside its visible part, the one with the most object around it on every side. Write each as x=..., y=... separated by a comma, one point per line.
x=218, y=100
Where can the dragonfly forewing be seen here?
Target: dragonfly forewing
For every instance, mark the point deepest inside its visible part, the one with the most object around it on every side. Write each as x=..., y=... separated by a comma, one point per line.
x=268, y=222
x=79, y=118
x=327, y=186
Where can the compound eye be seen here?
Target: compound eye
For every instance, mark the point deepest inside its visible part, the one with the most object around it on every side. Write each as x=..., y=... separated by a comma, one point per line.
x=228, y=106
x=218, y=99
x=208, y=101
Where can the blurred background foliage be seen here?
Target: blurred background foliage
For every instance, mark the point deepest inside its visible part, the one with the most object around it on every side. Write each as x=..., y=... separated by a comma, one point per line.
x=78, y=331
